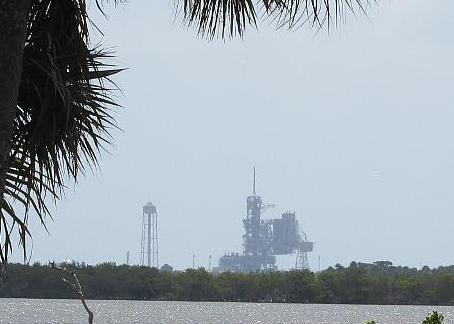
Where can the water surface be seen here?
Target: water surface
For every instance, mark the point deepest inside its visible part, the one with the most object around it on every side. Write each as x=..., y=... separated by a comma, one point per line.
x=119, y=311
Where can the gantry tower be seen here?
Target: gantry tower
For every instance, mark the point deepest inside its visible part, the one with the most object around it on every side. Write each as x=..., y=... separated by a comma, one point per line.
x=257, y=250
x=149, y=254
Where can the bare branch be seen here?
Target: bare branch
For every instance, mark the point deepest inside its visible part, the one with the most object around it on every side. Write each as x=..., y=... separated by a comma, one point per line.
x=75, y=286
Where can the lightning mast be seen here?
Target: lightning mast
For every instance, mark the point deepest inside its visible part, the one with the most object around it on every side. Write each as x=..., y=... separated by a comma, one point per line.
x=302, y=261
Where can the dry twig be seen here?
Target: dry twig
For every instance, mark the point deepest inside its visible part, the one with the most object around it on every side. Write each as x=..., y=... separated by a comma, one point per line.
x=75, y=286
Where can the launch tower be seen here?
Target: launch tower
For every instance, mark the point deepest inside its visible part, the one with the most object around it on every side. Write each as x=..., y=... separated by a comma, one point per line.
x=264, y=239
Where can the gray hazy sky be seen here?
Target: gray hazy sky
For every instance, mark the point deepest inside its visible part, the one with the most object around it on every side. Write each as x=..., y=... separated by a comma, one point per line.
x=353, y=130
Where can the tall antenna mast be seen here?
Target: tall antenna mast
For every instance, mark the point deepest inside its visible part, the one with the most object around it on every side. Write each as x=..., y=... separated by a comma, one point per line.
x=253, y=186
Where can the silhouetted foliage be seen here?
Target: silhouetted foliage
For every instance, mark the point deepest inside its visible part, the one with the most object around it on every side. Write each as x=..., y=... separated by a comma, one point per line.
x=63, y=117
x=232, y=17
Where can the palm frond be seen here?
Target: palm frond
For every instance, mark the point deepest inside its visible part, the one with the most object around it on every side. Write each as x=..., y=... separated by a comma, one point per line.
x=231, y=17
x=64, y=113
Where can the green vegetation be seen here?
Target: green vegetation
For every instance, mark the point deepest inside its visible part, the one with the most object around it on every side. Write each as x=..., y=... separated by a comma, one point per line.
x=434, y=318
x=379, y=283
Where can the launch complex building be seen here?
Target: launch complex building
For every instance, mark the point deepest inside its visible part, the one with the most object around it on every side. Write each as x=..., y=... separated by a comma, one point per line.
x=263, y=239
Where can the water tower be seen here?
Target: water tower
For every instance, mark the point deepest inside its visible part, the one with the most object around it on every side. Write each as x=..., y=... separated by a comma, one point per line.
x=149, y=255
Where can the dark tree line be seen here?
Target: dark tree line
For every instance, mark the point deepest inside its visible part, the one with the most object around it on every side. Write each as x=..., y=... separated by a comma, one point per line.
x=379, y=283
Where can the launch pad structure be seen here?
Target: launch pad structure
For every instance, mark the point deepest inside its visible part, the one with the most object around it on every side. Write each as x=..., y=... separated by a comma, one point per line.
x=264, y=239
x=149, y=253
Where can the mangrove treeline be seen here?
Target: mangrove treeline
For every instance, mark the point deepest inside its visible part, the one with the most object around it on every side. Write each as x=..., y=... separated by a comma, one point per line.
x=378, y=283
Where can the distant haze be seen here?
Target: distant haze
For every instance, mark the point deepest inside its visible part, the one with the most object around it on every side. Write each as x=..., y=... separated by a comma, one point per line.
x=353, y=130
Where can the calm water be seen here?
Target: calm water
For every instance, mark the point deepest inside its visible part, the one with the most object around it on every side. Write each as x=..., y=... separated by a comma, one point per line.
x=71, y=311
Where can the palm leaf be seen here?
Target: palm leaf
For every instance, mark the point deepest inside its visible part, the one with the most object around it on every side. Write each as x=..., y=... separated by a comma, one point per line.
x=231, y=17
x=64, y=113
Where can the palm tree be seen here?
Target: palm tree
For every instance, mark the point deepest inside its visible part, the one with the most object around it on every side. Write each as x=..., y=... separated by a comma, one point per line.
x=55, y=91
x=55, y=107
